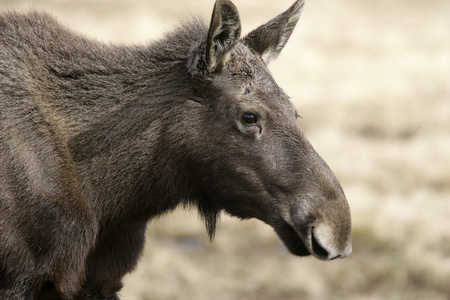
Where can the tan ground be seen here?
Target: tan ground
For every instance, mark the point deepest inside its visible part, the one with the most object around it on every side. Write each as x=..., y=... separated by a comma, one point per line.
x=372, y=82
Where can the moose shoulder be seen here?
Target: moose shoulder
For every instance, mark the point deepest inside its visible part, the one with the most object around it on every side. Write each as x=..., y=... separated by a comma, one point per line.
x=95, y=140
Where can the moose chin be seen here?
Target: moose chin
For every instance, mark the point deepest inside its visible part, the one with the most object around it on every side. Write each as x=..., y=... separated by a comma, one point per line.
x=97, y=139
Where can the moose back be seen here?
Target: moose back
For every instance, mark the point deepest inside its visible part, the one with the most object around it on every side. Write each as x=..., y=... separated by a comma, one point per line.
x=96, y=140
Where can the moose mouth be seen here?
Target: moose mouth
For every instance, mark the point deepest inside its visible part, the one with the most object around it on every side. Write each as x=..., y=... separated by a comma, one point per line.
x=296, y=245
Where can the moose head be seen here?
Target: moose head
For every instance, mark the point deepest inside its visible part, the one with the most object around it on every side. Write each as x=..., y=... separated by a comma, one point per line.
x=255, y=161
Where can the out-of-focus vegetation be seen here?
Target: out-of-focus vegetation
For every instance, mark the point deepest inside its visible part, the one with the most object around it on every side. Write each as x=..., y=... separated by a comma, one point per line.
x=371, y=81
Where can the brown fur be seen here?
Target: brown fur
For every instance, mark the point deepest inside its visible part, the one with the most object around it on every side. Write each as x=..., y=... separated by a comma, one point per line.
x=97, y=139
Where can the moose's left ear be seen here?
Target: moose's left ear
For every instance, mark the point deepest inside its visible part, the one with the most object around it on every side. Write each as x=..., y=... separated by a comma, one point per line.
x=269, y=39
x=224, y=32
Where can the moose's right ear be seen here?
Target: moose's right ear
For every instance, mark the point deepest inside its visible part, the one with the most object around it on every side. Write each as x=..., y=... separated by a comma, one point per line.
x=224, y=32
x=269, y=39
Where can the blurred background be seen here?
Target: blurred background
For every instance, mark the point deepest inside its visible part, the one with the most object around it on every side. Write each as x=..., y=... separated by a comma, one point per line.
x=371, y=80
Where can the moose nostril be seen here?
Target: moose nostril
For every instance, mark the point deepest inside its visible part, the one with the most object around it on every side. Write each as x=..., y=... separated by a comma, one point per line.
x=316, y=247
x=336, y=257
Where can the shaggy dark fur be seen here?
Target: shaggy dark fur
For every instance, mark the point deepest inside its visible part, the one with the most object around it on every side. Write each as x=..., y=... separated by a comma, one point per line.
x=97, y=139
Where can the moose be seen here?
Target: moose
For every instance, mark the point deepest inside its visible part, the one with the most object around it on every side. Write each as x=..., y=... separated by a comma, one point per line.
x=97, y=139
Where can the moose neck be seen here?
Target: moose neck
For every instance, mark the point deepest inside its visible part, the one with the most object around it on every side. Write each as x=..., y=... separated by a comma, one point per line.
x=124, y=149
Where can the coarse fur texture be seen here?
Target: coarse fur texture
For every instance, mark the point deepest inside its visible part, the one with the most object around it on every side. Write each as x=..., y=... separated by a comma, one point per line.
x=96, y=139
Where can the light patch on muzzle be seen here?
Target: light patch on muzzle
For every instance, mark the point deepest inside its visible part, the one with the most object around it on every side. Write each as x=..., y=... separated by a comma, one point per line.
x=323, y=239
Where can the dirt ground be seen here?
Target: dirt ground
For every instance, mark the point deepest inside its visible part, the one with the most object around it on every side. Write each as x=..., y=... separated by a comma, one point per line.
x=371, y=80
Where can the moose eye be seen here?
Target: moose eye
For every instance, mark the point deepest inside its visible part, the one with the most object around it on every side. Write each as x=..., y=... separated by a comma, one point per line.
x=250, y=118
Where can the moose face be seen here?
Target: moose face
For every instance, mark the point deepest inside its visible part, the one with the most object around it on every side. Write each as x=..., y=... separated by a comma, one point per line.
x=257, y=162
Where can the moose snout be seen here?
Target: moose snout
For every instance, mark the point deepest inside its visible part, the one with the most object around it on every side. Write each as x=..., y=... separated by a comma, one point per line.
x=324, y=245
x=324, y=227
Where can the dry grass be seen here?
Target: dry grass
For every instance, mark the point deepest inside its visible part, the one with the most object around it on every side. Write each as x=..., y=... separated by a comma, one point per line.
x=371, y=80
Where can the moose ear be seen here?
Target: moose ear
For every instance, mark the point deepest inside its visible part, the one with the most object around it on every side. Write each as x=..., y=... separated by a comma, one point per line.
x=224, y=32
x=269, y=39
